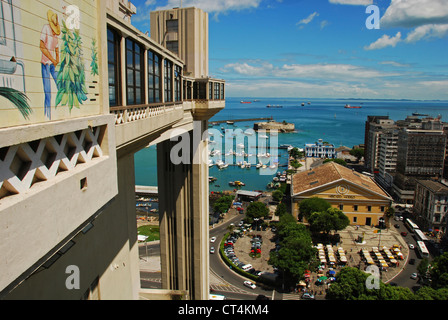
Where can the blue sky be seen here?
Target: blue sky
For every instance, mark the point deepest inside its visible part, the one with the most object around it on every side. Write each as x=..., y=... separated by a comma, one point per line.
x=322, y=48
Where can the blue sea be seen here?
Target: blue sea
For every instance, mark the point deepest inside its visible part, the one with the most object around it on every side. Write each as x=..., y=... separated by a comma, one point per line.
x=325, y=119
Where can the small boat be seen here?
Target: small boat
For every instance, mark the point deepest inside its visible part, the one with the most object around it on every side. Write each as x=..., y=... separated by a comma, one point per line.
x=303, y=103
x=230, y=122
x=419, y=114
x=347, y=106
x=259, y=165
x=246, y=102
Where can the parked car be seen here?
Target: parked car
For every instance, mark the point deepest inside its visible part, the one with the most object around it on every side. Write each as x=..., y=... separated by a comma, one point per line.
x=307, y=296
x=411, y=246
x=397, y=225
x=212, y=250
x=212, y=239
x=250, y=284
x=404, y=234
x=414, y=276
x=412, y=261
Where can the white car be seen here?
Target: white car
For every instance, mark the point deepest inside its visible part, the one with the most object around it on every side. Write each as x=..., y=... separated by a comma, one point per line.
x=250, y=284
x=411, y=246
x=414, y=276
x=212, y=250
x=212, y=239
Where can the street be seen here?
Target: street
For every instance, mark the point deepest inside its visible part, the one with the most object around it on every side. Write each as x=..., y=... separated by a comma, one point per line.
x=226, y=282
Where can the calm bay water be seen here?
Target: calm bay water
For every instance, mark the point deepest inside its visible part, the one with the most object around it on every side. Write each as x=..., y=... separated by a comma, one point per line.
x=320, y=119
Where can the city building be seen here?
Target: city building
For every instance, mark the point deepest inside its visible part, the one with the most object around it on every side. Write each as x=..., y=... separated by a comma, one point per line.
x=373, y=130
x=420, y=155
x=431, y=205
x=92, y=91
x=320, y=149
x=361, y=199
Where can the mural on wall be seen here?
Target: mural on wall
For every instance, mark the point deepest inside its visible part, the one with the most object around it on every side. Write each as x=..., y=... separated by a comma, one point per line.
x=12, y=70
x=42, y=63
x=94, y=56
x=71, y=76
x=49, y=46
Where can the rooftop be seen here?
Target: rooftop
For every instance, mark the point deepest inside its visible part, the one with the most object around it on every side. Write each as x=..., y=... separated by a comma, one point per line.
x=434, y=186
x=331, y=172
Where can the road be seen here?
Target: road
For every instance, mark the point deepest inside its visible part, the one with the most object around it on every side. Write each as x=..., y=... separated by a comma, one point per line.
x=227, y=282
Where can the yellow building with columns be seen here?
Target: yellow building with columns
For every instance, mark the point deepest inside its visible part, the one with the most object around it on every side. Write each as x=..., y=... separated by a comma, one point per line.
x=361, y=199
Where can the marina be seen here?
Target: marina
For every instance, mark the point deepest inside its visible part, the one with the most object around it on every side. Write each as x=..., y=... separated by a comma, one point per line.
x=325, y=119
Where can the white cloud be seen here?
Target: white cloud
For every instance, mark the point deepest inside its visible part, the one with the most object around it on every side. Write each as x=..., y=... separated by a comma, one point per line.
x=384, y=41
x=353, y=2
x=426, y=32
x=414, y=13
x=214, y=6
x=305, y=71
x=394, y=63
x=308, y=19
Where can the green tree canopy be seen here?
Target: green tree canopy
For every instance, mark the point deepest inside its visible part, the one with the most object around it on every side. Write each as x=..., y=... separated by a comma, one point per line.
x=296, y=251
x=223, y=204
x=357, y=152
x=256, y=210
x=330, y=220
x=314, y=204
x=277, y=195
x=351, y=285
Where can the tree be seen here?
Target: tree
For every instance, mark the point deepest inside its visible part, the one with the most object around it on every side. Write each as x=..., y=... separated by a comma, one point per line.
x=256, y=210
x=281, y=209
x=439, y=271
x=330, y=220
x=338, y=161
x=389, y=213
x=357, y=152
x=296, y=251
x=351, y=285
x=277, y=195
x=314, y=204
x=223, y=204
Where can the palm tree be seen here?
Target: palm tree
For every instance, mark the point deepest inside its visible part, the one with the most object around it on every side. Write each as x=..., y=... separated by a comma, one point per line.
x=18, y=99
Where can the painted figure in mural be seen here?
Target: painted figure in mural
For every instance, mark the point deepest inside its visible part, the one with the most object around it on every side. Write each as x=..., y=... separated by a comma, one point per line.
x=49, y=45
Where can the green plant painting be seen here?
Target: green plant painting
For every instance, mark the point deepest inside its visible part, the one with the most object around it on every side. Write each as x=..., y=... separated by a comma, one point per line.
x=71, y=76
x=94, y=56
x=19, y=99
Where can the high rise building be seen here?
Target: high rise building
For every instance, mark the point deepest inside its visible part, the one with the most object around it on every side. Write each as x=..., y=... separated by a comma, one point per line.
x=420, y=155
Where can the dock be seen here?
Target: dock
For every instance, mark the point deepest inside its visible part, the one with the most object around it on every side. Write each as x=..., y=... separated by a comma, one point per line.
x=240, y=120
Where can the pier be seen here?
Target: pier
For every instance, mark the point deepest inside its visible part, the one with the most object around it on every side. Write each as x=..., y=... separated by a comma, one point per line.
x=241, y=120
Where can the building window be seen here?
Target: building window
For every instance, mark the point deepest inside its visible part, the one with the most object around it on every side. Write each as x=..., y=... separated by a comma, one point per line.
x=216, y=97
x=168, y=81
x=382, y=208
x=210, y=90
x=173, y=46
x=222, y=91
x=341, y=207
x=154, y=85
x=113, y=62
x=355, y=207
x=177, y=83
x=134, y=76
x=369, y=208
x=355, y=219
x=172, y=25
